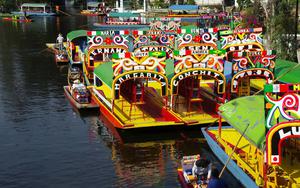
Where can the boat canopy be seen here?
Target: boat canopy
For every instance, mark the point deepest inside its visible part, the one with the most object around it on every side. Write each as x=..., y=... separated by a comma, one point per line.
x=123, y=14
x=286, y=73
x=105, y=73
x=77, y=33
x=93, y=4
x=184, y=7
x=244, y=111
x=35, y=5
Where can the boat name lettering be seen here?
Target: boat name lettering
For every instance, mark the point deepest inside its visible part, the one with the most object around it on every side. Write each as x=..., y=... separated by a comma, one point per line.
x=154, y=76
x=211, y=73
x=274, y=139
x=251, y=72
x=143, y=51
x=107, y=51
x=198, y=49
x=293, y=131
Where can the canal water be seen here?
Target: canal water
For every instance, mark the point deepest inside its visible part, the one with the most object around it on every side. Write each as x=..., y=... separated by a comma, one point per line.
x=46, y=143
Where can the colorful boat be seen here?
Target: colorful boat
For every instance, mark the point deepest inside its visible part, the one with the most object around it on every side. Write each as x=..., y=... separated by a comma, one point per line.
x=122, y=20
x=197, y=83
x=183, y=11
x=132, y=92
x=76, y=44
x=185, y=173
x=35, y=9
x=94, y=9
x=18, y=18
x=101, y=46
x=60, y=56
x=262, y=146
x=79, y=96
x=249, y=65
x=75, y=73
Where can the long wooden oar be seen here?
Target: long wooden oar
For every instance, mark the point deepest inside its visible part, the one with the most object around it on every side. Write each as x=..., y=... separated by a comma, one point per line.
x=64, y=12
x=229, y=157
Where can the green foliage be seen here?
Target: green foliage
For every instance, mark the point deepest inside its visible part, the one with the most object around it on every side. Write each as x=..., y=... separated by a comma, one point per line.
x=243, y=4
x=191, y=2
x=159, y=4
x=283, y=24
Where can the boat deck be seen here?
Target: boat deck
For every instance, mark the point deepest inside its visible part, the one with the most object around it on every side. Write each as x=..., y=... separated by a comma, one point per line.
x=200, y=110
x=290, y=157
x=150, y=112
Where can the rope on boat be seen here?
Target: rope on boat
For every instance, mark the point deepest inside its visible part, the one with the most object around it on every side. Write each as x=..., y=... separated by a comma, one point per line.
x=233, y=151
x=279, y=77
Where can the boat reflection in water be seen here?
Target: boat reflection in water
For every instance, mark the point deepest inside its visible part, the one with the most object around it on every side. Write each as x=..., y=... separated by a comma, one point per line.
x=145, y=157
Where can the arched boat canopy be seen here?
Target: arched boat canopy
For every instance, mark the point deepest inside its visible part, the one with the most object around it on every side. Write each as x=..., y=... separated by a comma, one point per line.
x=247, y=110
x=286, y=72
x=75, y=34
x=105, y=73
x=184, y=7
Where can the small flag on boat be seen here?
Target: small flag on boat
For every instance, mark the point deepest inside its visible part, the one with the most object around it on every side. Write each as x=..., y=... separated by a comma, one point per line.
x=139, y=32
x=276, y=88
x=157, y=54
x=121, y=55
x=218, y=52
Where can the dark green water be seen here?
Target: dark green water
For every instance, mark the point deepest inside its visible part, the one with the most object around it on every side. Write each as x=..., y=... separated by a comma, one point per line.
x=45, y=143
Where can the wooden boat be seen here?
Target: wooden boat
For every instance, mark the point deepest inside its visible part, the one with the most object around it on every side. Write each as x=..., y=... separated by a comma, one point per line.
x=198, y=83
x=60, y=56
x=79, y=97
x=94, y=9
x=75, y=73
x=185, y=174
x=101, y=46
x=251, y=65
x=263, y=142
x=76, y=45
x=122, y=20
x=17, y=18
x=183, y=11
x=35, y=9
x=135, y=96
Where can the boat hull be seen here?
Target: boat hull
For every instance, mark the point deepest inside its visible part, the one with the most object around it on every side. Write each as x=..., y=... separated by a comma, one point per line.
x=17, y=20
x=35, y=13
x=119, y=26
x=74, y=103
x=118, y=123
x=236, y=171
x=182, y=180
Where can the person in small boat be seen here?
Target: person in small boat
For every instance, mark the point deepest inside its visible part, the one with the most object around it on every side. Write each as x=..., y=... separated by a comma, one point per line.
x=60, y=41
x=215, y=181
x=202, y=169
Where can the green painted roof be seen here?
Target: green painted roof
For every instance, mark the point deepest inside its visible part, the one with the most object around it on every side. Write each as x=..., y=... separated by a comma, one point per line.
x=123, y=14
x=77, y=33
x=105, y=73
x=93, y=4
x=247, y=110
x=34, y=5
x=285, y=71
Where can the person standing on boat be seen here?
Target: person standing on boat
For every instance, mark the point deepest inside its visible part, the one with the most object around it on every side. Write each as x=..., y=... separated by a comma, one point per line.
x=60, y=41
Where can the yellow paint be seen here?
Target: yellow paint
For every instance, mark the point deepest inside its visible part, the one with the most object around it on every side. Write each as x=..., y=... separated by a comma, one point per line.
x=257, y=83
x=251, y=160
